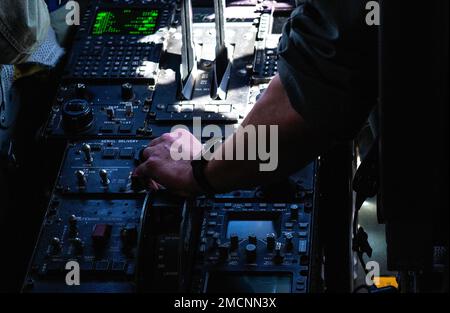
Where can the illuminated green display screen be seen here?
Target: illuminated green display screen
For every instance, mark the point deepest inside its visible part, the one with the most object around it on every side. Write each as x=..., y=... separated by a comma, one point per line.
x=125, y=22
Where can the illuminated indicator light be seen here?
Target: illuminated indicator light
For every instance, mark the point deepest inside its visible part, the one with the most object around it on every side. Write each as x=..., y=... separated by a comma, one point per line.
x=386, y=281
x=126, y=21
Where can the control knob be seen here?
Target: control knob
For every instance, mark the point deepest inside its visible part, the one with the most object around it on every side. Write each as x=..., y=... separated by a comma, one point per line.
x=104, y=177
x=234, y=242
x=81, y=91
x=127, y=91
x=223, y=251
x=55, y=244
x=294, y=211
x=78, y=245
x=73, y=230
x=278, y=257
x=87, y=153
x=81, y=178
x=77, y=115
x=270, y=241
x=250, y=252
x=289, y=243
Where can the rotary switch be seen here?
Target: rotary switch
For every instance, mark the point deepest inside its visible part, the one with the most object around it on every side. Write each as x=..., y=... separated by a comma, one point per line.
x=77, y=115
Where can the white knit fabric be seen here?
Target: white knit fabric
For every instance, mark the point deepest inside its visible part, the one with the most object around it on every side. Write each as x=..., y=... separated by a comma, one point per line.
x=6, y=81
x=49, y=52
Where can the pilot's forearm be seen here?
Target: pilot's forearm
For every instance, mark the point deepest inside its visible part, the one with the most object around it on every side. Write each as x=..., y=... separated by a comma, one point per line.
x=296, y=145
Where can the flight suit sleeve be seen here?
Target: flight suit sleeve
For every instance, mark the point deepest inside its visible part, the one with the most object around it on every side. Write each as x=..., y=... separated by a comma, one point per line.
x=328, y=65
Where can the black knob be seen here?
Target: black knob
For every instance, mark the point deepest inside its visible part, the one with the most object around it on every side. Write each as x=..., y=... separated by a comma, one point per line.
x=129, y=109
x=73, y=221
x=294, y=211
x=278, y=257
x=148, y=102
x=81, y=91
x=215, y=241
x=250, y=252
x=234, y=241
x=289, y=243
x=110, y=112
x=77, y=115
x=104, y=177
x=129, y=235
x=271, y=241
x=73, y=229
x=55, y=244
x=127, y=91
x=87, y=153
x=81, y=178
x=223, y=251
x=78, y=245
x=252, y=239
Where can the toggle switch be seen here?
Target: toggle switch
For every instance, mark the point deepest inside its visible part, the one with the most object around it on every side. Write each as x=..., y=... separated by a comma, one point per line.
x=78, y=245
x=110, y=112
x=234, y=242
x=271, y=241
x=81, y=178
x=73, y=229
x=289, y=241
x=250, y=252
x=224, y=251
x=129, y=109
x=252, y=239
x=86, y=149
x=278, y=257
x=55, y=244
x=294, y=211
x=104, y=177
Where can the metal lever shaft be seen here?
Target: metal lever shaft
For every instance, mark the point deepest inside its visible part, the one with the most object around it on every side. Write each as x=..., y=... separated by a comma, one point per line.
x=188, y=57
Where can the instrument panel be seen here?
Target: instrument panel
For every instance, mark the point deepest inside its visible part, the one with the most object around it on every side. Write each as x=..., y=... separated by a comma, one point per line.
x=123, y=86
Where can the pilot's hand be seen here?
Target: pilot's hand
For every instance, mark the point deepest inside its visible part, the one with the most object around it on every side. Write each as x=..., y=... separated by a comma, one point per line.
x=168, y=163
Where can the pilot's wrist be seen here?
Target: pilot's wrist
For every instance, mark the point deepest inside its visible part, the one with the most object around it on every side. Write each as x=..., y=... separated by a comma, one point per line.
x=199, y=172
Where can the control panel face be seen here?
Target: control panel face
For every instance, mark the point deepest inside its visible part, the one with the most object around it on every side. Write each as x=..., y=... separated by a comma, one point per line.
x=256, y=244
x=99, y=235
x=266, y=52
x=102, y=167
x=85, y=110
x=122, y=87
x=120, y=41
x=231, y=108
